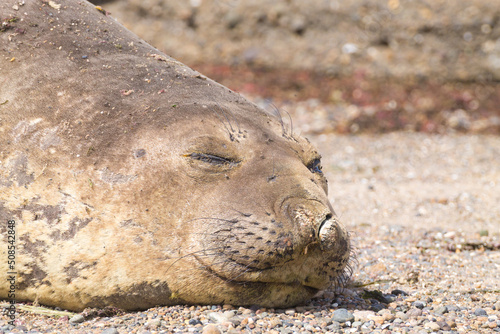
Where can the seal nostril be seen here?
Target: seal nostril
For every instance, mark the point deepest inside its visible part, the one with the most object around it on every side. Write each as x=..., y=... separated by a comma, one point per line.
x=323, y=223
x=325, y=227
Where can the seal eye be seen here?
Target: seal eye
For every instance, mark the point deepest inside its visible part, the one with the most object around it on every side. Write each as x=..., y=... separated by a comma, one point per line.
x=315, y=166
x=212, y=159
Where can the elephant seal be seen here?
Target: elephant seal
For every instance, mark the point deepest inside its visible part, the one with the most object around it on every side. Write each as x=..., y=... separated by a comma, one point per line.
x=130, y=180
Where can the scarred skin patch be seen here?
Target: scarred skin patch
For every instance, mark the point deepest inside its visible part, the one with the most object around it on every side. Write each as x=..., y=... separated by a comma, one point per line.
x=129, y=198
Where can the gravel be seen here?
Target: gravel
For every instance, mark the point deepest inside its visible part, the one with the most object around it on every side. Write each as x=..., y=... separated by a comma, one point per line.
x=416, y=205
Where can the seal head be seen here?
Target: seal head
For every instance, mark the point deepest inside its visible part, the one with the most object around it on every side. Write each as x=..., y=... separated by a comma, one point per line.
x=135, y=181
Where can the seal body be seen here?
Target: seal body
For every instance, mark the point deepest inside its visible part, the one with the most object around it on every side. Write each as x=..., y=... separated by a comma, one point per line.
x=134, y=181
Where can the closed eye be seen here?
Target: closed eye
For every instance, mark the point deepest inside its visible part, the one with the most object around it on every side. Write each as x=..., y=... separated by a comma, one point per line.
x=315, y=166
x=213, y=159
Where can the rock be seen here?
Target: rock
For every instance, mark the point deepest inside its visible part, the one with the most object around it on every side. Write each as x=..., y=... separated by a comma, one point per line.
x=419, y=304
x=246, y=311
x=480, y=312
x=377, y=307
x=211, y=329
x=236, y=321
x=357, y=324
x=153, y=324
x=342, y=315
x=363, y=315
x=194, y=322
x=398, y=292
x=217, y=317
x=388, y=316
x=227, y=316
x=432, y=325
x=444, y=325
x=110, y=330
x=402, y=315
x=441, y=310
x=77, y=319
x=414, y=312
x=334, y=326
x=309, y=328
x=379, y=320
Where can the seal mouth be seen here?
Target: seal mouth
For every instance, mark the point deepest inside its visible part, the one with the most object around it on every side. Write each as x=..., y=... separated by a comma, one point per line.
x=272, y=276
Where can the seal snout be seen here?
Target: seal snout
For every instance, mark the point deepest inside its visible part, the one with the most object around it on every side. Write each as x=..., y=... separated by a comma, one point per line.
x=315, y=223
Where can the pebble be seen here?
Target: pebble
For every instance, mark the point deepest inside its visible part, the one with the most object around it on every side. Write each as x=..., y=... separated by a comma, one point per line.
x=153, y=324
x=419, y=304
x=480, y=312
x=363, y=315
x=433, y=326
x=414, y=312
x=77, y=319
x=356, y=324
x=211, y=329
x=441, y=310
x=444, y=325
x=402, y=315
x=111, y=330
x=398, y=292
x=194, y=322
x=342, y=315
x=218, y=317
x=377, y=319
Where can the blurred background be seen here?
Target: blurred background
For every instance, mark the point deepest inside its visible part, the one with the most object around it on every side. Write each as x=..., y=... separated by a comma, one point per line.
x=360, y=66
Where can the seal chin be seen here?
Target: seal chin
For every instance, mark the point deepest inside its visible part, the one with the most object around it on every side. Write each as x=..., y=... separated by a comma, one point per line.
x=275, y=277
x=273, y=294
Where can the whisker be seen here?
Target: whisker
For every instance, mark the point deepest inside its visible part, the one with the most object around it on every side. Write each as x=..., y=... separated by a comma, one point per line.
x=223, y=112
x=280, y=118
x=235, y=119
x=191, y=254
x=210, y=218
x=241, y=213
x=291, y=125
x=221, y=118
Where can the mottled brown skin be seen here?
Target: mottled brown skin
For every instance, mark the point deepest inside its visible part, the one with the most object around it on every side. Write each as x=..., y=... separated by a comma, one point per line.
x=135, y=181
